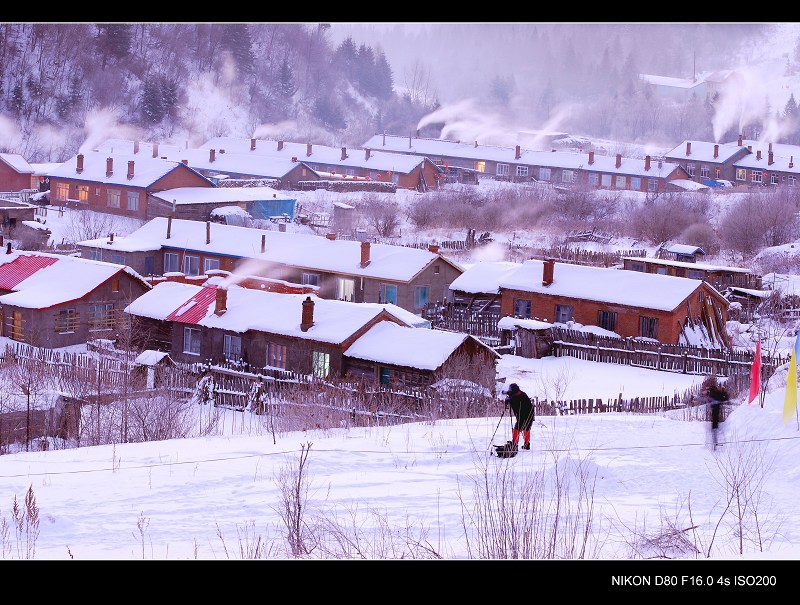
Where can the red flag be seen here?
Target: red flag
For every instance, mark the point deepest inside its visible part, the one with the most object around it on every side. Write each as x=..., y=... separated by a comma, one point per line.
x=755, y=375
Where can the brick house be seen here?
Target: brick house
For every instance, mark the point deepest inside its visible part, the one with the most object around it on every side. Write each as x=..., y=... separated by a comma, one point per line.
x=53, y=301
x=342, y=269
x=117, y=183
x=630, y=303
x=719, y=276
x=15, y=172
x=302, y=333
x=704, y=161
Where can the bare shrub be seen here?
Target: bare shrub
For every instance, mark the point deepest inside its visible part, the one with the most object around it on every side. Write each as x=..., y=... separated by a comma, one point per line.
x=664, y=217
x=380, y=213
x=759, y=219
x=293, y=485
x=703, y=235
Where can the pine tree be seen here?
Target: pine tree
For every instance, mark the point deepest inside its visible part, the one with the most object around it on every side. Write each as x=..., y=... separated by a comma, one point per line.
x=346, y=56
x=383, y=84
x=286, y=86
x=237, y=39
x=114, y=40
x=152, y=102
x=790, y=110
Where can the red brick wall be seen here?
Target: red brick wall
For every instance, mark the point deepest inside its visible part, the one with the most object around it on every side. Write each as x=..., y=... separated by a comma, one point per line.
x=11, y=180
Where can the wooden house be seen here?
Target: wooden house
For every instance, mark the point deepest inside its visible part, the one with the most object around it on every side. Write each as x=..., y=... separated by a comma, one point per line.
x=53, y=301
x=198, y=203
x=117, y=183
x=303, y=333
x=349, y=270
x=719, y=276
x=631, y=304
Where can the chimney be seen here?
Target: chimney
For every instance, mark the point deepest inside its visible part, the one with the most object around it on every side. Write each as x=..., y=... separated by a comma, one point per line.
x=591, y=158
x=770, y=161
x=384, y=139
x=517, y=155
x=263, y=243
x=647, y=162
x=740, y=140
x=409, y=141
x=547, y=271
x=109, y=166
x=79, y=167
x=770, y=147
x=208, y=232
x=366, y=154
x=619, y=160
x=308, y=149
x=155, y=150
x=307, y=319
x=716, y=151
x=185, y=162
x=758, y=154
x=135, y=147
x=280, y=145
x=130, y=169
x=221, y=151
x=221, y=301
x=110, y=238
x=433, y=248
x=791, y=161
x=364, y=254
x=344, y=153
x=294, y=158
x=169, y=226
x=688, y=148
x=211, y=155
x=331, y=236
x=252, y=144
x=8, y=248
x=476, y=144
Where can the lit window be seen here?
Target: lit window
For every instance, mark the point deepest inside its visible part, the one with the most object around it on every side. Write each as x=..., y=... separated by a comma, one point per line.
x=741, y=174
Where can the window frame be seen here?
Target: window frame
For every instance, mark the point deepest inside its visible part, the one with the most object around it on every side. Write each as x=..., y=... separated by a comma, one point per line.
x=232, y=347
x=648, y=327
x=192, y=337
x=172, y=258
x=276, y=355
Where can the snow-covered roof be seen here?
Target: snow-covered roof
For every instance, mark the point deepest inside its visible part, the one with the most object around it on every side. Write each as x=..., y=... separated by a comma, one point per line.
x=688, y=185
x=319, y=154
x=632, y=288
x=17, y=162
x=146, y=170
x=483, y=277
x=510, y=323
x=150, y=357
x=205, y=195
x=555, y=159
x=38, y=280
x=247, y=309
x=396, y=263
x=226, y=164
x=684, y=249
x=688, y=265
x=390, y=343
x=685, y=83
x=703, y=151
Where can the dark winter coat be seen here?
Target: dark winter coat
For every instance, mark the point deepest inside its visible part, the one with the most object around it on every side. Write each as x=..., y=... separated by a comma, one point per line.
x=522, y=408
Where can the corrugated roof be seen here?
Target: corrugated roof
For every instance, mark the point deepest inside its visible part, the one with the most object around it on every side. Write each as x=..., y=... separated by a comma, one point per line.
x=196, y=308
x=21, y=268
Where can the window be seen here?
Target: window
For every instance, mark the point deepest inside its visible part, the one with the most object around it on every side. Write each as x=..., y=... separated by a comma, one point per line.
x=774, y=178
x=607, y=320
x=92, y=254
x=567, y=176
x=480, y=166
x=388, y=294
x=741, y=174
x=757, y=176
x=522, y=308
x=792, y=180
x=320, y=364
x=171, y=262
x=637, y=267
x=690, y=168
x=62, y=192
x=563, y=313
x=232, y=347
x=386, y=375
x=210, y=264
x=544, y=174
x=652, y=185
x=661, y=270
x=345, y=289
x=113, y=198
x=133, y=200
x=191, y=341
x=191, y=265
x=115, y=285
x=619, y=181
x=310, y=279
x=118, y=259
x=276, y=355
x=101, y=316
x=636, y=183
x=502, y=170
x=17, y=326
x=420, y=296
x=149, y=265
x=83, y=193
x=704, y=172
x=605, y=180
x=522, y=171
x=717, y=172
x=695, y=274
x=594, y=179
x=67, y=321
x=648, y=327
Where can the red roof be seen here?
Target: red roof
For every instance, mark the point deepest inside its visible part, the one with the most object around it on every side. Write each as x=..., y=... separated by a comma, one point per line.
x=194, y=313
x=21, y=268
